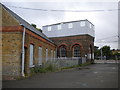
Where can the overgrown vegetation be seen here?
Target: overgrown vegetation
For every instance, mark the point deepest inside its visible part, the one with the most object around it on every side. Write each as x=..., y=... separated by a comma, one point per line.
x=51, y=67
x=47, y=67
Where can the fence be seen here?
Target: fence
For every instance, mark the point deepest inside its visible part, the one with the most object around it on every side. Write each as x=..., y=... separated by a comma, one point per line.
x=65, y=62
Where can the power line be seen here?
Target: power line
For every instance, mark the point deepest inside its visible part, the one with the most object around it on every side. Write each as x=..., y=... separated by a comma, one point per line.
x=107, y=38
x=54, y=10
x=108, y=42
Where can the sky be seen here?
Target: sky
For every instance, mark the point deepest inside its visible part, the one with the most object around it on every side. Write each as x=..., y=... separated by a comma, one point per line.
x=106, y=22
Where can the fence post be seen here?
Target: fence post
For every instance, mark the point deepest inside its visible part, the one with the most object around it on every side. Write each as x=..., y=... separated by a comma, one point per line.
x=79, y=61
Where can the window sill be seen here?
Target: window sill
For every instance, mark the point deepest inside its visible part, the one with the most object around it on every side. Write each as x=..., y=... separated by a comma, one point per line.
x=32, y=66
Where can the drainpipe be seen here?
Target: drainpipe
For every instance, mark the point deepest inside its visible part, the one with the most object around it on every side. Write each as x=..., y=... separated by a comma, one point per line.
x=23, y=51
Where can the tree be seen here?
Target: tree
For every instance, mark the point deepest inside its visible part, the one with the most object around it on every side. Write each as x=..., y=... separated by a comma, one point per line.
x=106, y=51
x=34, y=25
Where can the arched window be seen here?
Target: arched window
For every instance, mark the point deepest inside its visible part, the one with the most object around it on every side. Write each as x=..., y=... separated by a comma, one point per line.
x=76, y=51
x=63, y=51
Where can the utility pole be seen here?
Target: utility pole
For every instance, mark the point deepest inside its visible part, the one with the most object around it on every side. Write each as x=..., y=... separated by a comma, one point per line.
x=101, y=54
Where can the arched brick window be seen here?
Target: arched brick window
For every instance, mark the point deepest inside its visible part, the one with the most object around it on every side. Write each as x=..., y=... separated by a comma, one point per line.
x=63, y=51
x=76, y=51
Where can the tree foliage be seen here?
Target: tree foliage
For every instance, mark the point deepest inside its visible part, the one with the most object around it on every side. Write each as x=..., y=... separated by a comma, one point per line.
x=106, y=52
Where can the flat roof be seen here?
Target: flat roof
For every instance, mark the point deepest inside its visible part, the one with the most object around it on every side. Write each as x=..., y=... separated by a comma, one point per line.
x=67, y=22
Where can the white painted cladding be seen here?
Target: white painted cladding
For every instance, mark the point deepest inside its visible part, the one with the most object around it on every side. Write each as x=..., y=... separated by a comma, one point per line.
x=70, y=28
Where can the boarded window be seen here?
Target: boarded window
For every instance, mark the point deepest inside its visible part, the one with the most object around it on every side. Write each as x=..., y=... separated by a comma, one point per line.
x=46, y=54
x=76, y=51
x=31, y=55
x=51, y=54
x=54, y=55
x=40, y=56
x=63, y=51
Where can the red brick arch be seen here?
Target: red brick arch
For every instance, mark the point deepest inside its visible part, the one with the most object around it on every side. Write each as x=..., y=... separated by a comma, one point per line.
x=77, y=44
x=63, y=44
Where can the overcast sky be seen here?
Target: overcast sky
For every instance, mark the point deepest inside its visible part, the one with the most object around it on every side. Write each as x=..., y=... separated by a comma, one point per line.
x=106, y=22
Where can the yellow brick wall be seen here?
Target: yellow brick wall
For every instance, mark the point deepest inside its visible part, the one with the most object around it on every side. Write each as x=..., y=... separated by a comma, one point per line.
x=0, y=56
x=12, y=49
x=11, y=53
x=0, y=47
x=37, y=43
x=7, y=19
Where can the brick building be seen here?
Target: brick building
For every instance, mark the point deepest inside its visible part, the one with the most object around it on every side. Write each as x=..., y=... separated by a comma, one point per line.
x=23, y=46
x=73, y=39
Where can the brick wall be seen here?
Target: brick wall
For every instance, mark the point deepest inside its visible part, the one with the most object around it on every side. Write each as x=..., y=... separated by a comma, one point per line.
x=7, y=19
x=37, y=43
x=12, y=49
x=11, y=53
x=83, y=40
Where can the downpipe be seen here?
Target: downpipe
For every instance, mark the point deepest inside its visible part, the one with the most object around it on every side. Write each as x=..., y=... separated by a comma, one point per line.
x=23, y=51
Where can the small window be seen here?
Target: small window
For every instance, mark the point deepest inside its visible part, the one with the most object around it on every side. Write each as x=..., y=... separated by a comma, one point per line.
x=70, y=25
x=90, y=25
x=82, y=24
x=49, y=28
x=59, y=27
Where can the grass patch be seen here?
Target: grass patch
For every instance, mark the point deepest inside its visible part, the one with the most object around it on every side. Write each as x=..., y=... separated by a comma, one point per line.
x=75, y=66
x=70, y=67
x=85, y=64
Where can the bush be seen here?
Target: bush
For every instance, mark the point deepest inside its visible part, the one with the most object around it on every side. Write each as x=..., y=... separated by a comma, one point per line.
x=47, y=67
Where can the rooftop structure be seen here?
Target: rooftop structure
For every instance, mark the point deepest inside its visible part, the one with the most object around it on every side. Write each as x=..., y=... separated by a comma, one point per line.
x=80, y=27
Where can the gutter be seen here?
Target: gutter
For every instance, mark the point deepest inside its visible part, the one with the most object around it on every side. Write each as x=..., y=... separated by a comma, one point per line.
x=23, y=51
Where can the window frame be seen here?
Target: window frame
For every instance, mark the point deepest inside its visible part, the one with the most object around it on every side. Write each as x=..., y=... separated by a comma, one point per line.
x=76, y=52
x=63, y=51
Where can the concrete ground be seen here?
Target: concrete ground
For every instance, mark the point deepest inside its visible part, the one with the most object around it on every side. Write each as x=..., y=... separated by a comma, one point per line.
x=91, y=76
